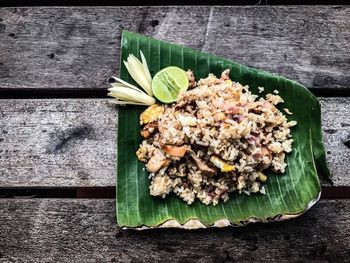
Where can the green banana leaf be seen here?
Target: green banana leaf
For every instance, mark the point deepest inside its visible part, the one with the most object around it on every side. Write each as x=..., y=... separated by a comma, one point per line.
x=287, y=195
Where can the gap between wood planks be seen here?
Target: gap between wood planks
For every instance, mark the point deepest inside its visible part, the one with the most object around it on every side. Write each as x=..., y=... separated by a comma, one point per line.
x=102, y=93
x=328, y=192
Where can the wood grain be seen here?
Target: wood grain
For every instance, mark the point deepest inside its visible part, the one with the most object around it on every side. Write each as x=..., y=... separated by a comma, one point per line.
x=71, y=142
x=81, y=230
x=336, y=134
x=78, y=48
x=63, y=143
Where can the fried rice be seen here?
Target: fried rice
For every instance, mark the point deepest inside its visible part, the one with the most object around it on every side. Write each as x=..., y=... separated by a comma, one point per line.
x=216, y=139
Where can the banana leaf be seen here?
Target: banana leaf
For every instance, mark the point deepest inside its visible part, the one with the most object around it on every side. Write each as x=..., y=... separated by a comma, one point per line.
x=287, y=195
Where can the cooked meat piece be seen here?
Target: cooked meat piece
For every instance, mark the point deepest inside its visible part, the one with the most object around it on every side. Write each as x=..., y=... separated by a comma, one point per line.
x=157, y=162
x=201, y=165
x=149, y=129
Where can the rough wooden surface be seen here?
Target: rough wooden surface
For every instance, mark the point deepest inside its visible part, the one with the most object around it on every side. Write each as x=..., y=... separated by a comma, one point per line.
x=85, y=231
x=78, y=48
x=57, y=142
x=336, y=134
x=71, y=142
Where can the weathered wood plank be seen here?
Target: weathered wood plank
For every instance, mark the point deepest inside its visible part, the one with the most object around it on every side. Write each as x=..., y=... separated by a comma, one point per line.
x=85, y=231
x=57, y=142
x=71, y=142
x=336, y=135
x=309, y=44
x=78, y=48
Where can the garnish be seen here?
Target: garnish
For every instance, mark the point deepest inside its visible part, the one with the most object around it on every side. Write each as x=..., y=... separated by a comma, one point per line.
x=126, y=93
x=168, y=83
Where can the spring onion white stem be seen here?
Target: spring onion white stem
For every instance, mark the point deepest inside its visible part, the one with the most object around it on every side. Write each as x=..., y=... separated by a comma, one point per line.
x=126, y=93
x=139, y=72
x=145, y=68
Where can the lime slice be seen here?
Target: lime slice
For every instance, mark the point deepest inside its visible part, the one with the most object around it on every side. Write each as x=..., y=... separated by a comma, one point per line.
x=168, y=83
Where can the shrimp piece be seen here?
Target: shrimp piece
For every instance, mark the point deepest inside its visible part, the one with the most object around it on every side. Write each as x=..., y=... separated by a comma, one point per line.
x=176, y=151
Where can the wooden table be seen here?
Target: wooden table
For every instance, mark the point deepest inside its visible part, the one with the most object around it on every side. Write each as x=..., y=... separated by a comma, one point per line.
x=58, y=131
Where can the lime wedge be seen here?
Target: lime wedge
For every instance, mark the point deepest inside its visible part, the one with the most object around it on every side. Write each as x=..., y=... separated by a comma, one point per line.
x=168, y=83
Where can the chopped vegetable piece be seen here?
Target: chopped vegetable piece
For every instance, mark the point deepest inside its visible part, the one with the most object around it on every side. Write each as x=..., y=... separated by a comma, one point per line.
x=224, y=167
